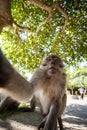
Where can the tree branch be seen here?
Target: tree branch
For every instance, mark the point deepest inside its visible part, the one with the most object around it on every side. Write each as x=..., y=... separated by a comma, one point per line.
x=41, y=5
x=20, y=27
x=62, y=11
x=63, y=29
x=45, y=7
x=44, y=22
x=49, y=9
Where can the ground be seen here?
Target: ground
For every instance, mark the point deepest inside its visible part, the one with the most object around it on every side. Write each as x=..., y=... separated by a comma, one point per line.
x=74, y=117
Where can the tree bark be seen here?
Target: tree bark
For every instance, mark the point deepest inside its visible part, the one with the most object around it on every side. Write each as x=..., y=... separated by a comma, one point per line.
x=5, y=14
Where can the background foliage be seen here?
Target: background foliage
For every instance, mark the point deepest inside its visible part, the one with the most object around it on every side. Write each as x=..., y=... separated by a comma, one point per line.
x=78, y=78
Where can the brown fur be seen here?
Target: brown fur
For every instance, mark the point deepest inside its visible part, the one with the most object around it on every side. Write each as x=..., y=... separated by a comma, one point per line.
x=12, y=83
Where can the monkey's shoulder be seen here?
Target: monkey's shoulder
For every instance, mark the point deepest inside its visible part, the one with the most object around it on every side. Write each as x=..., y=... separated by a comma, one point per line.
x=63, y=80
x=39, y=73
x=37, y=76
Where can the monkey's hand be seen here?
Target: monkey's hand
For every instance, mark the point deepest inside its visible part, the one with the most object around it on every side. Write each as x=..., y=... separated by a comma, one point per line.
x=42, y=124
x=8, y=104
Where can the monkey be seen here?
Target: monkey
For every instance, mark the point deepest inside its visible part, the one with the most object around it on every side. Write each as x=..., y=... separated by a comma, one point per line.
x=45, y=79
x=50, y=85
x=47, y=87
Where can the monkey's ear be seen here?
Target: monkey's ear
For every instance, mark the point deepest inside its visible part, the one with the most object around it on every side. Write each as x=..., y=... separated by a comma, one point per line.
x=61, y=65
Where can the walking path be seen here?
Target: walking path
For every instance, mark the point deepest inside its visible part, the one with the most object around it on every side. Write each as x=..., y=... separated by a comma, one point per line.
x=74, y=117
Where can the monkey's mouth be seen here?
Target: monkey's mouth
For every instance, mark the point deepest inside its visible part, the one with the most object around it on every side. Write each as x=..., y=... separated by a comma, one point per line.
x=52, y=70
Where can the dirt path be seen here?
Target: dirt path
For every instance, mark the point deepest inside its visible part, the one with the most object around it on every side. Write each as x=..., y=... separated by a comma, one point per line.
x=74, y=118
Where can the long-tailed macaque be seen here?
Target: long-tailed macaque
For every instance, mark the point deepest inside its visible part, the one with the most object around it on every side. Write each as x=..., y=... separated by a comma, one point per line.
x=47, y=87
x=49, y=81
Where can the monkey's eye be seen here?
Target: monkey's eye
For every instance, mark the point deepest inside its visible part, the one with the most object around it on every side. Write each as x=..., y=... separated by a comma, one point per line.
x=49, y=59
x=44, y=64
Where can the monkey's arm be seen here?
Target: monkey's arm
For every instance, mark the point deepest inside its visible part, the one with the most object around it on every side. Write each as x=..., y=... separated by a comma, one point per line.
x=51, y=120
x=12, y=83
x=59, y=111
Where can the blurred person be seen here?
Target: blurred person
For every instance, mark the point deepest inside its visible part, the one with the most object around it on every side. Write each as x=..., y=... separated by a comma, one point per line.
x=81, y=91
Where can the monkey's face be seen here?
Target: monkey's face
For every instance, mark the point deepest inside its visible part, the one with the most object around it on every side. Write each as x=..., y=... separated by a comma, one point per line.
x=52, y=64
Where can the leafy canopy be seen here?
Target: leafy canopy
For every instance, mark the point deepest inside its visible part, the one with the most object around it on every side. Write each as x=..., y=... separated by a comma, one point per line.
x=78, y=78
x=41, y=27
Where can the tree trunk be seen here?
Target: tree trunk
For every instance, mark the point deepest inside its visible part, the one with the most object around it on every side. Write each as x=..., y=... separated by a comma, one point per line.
x=5, y=14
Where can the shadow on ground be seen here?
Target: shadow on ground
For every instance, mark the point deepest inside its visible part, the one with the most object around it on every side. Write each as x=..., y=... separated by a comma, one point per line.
x=76, y=115
x=25, y=118
x=74, y=118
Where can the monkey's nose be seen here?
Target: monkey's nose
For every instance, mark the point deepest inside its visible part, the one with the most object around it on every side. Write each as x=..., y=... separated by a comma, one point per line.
x=53, y=62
